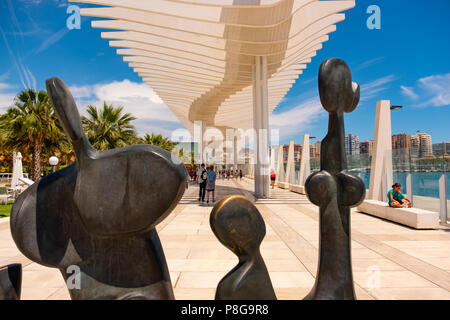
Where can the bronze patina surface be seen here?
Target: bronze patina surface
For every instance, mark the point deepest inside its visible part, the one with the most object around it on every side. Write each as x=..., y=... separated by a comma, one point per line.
x=334, y=189
x=95, y=219
x=239, y=226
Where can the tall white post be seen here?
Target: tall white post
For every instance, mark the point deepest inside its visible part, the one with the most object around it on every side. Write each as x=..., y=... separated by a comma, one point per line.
x=305, y=166
x=443, y=199
x=290, y=166
x=264, y=145
x=257, y=124
x=261, y=126
x=235, y=156
x=279, y=173
x=381, y=167
x=272, y=159
x=409, y=189
x=199, y=135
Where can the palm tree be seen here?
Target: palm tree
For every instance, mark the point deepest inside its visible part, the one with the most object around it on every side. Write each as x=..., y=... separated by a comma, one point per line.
x=29, y=124
x=159, y=141
x=108, y=128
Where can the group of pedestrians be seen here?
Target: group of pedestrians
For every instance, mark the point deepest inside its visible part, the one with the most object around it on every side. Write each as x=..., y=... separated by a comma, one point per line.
x=227, y=174
x=206, y=179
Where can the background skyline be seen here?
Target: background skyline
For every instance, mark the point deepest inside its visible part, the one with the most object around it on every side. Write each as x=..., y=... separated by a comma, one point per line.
x=405, y=62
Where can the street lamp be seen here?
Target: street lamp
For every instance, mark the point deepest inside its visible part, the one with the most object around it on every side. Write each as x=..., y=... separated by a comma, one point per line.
x=53, y=162
x=396, y=107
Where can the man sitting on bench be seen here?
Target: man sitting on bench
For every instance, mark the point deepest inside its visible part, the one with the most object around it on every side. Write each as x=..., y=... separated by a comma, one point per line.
x=397, y=199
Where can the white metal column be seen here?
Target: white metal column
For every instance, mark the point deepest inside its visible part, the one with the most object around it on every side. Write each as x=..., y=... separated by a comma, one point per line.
x=265, y=130
x=261, y=127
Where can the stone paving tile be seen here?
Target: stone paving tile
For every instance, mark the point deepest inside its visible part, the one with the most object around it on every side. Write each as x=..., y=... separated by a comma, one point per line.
x=391, y=279
x=410, y=294
x=411, y=264
x=197, y=279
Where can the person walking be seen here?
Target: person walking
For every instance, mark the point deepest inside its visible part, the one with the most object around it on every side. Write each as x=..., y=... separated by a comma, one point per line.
x=240, y=174
x=272, y=178
x=201, y=180
x=195, y=174
x=210, y=183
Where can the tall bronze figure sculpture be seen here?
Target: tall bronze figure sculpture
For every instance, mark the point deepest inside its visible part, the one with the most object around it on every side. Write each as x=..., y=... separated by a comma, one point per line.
x=239, y=226
x=10, y=281
x=333, y=189
x=95, y=219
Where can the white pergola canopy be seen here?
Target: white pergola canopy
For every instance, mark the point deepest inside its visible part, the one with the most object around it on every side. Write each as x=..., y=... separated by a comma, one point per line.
x=199, y=55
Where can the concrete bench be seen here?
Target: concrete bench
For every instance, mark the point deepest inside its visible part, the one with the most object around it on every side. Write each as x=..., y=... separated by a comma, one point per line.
x=283, y=185
x=412, y=217
x=298, y=189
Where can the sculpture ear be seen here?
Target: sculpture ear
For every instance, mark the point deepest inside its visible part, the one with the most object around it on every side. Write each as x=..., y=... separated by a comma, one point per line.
x=335, y=85
x=354, y=190
x=356, y=94
x=65, y=108
x=320, y=187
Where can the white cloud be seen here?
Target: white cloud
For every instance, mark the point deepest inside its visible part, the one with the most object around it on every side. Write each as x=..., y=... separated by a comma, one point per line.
x=372, y=89
x=431, y=91
x=79, y=92
x=6, y=96
x=409, y=92
x=297, y=119
x=141, y=101
x=125, y=90
x=368, y=63
x=438, y=87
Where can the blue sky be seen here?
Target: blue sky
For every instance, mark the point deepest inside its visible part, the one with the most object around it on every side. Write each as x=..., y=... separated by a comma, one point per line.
x=407, y=62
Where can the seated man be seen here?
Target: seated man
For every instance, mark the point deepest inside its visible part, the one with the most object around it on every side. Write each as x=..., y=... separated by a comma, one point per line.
x=395, y=197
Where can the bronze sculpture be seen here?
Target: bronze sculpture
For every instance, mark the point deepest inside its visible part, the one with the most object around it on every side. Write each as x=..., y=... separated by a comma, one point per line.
x=95, y=219
x=10, y=281
x=239, y=226
x=333, y=189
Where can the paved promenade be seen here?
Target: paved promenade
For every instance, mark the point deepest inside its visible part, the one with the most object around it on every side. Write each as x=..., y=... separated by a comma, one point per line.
x=390, y=261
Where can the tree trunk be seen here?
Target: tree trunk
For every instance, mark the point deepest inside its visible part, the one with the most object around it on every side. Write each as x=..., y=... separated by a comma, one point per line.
x=37, y=161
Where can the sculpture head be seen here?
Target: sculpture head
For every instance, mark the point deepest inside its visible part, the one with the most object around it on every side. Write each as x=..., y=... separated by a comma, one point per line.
x=121, y=191
x=337, y=91
x=237, y=224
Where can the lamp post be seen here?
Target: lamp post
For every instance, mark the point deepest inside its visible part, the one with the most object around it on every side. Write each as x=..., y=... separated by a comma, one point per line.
x=53, y=161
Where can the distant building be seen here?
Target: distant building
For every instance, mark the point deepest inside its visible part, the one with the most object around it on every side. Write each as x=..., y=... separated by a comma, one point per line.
x=441, y=149
x=366, y=147
x=421, y=145
x=317, y=149
x=312, y=151
x=351, y=144
x=297, y=152
x=415, y=146
x=401, y=141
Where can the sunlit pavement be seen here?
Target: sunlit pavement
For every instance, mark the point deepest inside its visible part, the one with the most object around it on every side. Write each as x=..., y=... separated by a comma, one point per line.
x=390, y=261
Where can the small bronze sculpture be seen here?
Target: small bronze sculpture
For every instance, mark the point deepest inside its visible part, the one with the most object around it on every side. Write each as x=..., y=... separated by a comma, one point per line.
x=95, y=219
x=10, y=281
x=333, y=189
x=239, y=226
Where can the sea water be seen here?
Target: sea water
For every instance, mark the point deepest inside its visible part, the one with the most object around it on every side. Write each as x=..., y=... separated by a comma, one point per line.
x=424, y=183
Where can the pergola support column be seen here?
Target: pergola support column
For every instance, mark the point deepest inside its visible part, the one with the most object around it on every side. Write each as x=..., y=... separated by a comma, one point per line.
x=261, y=127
